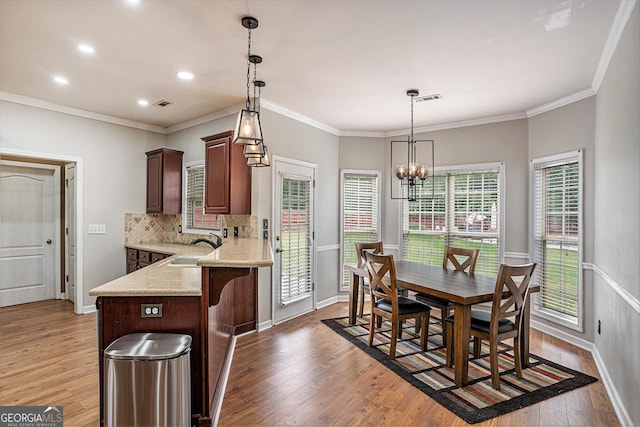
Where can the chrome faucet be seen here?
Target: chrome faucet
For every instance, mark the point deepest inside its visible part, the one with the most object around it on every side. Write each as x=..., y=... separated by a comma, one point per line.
x=214, y=245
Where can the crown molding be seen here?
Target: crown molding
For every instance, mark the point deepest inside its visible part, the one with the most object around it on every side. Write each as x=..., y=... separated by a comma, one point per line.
x=204, y=119
x=569, y=99
x=38, y=103
x=617, y=28
x=460, y=124
x=298, y=117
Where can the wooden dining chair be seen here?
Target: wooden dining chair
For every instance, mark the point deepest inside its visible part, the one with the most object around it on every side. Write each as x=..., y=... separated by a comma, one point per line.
x=461, y=259
x=361, y=248
x=503, y=322
x=387, y=303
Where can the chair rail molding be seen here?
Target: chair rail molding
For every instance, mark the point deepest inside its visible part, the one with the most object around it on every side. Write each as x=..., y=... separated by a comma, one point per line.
x=624, y=294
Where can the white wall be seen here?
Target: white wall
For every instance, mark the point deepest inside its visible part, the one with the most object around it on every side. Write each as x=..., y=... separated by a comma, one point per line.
x=617, y=219
x=114, y=179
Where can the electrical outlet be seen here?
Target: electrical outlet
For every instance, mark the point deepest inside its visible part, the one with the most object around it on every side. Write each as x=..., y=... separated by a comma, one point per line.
x=235, y=231
x=179, y=228
x=265, y=234
x=151, y=310
x=224, y=233
x=265, y=224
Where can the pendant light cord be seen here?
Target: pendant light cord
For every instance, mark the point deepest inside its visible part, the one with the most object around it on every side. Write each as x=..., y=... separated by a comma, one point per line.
x=248, y=103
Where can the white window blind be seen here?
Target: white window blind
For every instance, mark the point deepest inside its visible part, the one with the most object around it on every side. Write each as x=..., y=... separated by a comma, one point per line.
x=464, y=212
x=194, y=215
x=557, y=242
x=296, y=282
x=360, y=214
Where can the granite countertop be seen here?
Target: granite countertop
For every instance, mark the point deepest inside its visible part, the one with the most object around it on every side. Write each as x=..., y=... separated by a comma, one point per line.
x=239, y=253
x=165, y=279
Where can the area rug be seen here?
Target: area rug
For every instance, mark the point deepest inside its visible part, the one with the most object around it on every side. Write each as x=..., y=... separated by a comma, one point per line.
x=478, y=401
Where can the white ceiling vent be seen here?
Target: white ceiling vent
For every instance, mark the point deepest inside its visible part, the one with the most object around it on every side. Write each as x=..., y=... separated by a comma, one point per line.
x=428, y=97
x=162, y=103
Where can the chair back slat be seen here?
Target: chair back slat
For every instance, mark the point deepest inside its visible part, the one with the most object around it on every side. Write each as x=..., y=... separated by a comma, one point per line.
x=382, y=277
x=361, y=248
x=453, y=256
x=510, y=295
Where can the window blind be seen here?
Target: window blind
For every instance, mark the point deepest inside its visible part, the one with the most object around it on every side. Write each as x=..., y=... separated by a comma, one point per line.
x=360, y=210
x=295, y=271
x=464, y=212
x=195, y=217
x=557, y=224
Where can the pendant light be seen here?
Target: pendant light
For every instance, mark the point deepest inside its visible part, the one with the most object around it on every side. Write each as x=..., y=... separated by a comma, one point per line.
x=413, y=173
x=248, y=129
x=258, y=156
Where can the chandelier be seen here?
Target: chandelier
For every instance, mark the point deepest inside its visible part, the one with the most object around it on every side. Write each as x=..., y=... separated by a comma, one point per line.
x=413, y=173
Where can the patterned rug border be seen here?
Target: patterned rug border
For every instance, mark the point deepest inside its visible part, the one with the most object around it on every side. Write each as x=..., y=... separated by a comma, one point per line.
x=472, y=417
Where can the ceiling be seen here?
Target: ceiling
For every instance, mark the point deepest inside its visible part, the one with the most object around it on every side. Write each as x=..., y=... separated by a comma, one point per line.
x=343, y=64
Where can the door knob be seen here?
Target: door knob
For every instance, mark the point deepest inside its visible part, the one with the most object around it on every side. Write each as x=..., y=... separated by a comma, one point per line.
x=49, y=241
x=278, y=250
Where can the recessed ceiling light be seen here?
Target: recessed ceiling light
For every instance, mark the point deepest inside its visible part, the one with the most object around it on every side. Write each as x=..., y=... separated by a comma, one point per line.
x=61, y=80
x=143, y=102
x=185, y=75
x=133, y=2
x=85, y=48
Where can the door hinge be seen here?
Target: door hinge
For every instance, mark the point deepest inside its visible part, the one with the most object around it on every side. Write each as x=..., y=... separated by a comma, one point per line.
x=67, y=278
x=314, y=183
x=66, y=182
x=66, y=230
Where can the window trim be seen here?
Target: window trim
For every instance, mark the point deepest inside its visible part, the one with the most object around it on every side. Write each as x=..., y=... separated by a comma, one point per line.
x=536, y=308
x=473, y=167
x=185, y=183
x=366, y=172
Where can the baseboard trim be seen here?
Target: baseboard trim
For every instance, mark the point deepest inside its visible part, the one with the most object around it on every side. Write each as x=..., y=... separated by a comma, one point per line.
x=612, y=392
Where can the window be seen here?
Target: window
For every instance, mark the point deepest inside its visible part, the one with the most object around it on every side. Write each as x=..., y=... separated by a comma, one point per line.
x=360, y=214
x=194, y=219
x=464, y=212
x=557, y=237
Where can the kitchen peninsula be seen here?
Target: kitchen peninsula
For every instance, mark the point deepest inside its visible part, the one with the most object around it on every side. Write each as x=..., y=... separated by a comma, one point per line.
x=193, y=291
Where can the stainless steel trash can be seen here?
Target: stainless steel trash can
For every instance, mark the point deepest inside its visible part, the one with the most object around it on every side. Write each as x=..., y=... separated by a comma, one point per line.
x=147, y=380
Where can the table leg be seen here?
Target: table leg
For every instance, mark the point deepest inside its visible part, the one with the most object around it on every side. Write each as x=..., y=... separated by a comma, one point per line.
x=353, y=298
x=524, y=333
x=461, y=336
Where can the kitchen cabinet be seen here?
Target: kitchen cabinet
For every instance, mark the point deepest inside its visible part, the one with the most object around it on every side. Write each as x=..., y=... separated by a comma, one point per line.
x=245, y=298
x=164, y=181
x=227, y=176
x=137, y=258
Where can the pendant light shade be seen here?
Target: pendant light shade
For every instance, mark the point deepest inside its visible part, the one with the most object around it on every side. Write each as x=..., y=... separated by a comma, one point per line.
x=248, y=129
x=260, y=161
x=253, y=150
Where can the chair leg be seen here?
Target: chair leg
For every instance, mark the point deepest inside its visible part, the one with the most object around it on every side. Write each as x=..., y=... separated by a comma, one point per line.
x=394, y=338
x=493, y=356
x=361, y=299
x=517, y=357
x=477, y=347
x=448, y=328
x=372, y=327
x=444, y=313
x=418, y=326
x=424, y=322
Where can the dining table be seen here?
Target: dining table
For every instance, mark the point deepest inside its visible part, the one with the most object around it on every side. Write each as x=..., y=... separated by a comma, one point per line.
x=462, y=289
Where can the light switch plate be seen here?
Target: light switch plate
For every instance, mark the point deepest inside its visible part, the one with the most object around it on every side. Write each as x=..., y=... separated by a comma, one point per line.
x=97, y=229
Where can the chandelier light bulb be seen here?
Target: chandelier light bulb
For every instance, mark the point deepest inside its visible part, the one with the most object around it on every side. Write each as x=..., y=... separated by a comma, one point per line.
x=401, y=171
x=423, y=172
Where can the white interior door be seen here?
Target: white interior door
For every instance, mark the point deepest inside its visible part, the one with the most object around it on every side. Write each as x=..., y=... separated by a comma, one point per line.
x=294, y=247
x=70, y=227
x=27, y=233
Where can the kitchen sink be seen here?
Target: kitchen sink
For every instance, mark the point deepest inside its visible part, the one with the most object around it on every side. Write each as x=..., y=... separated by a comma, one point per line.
x=183, y=261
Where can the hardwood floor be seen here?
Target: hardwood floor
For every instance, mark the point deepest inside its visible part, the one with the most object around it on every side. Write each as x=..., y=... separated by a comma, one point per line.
x=296, y=373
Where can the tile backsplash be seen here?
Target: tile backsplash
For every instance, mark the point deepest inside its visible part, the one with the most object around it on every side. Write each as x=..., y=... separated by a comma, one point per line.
x=159, y=228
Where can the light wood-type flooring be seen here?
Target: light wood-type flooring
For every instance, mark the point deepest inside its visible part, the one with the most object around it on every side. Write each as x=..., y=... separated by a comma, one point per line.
x=297, y=373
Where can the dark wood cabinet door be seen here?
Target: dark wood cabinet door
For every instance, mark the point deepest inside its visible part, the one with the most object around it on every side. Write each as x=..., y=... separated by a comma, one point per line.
x=227, y=176
x=154, y=183
x=217, y=186
x=164, y=181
